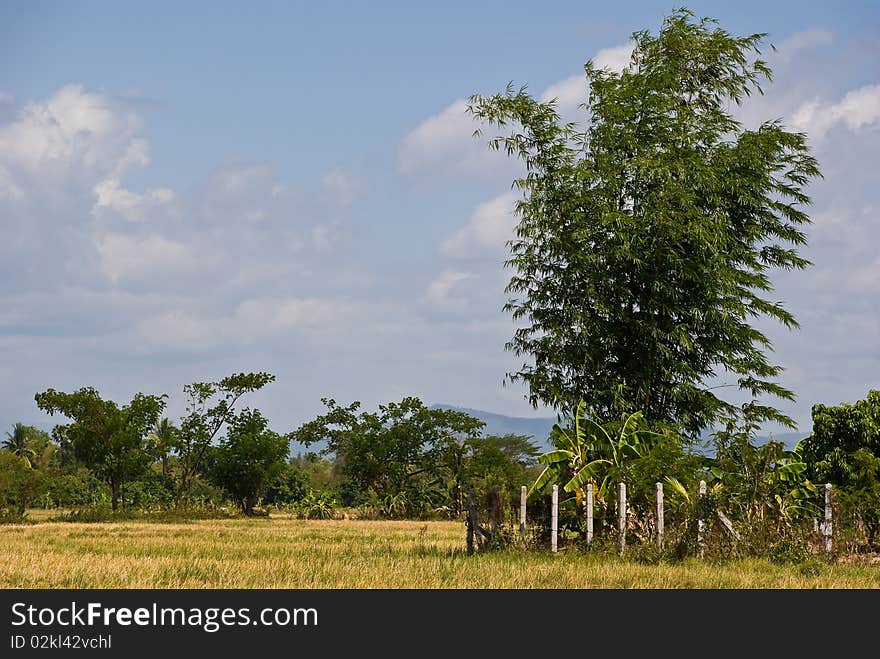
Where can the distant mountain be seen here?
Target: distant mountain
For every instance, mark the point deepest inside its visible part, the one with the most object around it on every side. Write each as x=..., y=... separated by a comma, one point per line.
x=539, y=428
x=499, y=424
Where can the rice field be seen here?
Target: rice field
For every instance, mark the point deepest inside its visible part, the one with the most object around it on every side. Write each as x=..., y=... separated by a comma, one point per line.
x=283, y=552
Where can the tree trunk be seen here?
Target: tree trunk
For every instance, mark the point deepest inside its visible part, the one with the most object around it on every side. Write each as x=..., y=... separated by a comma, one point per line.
x=180, y=498
x=115, y=491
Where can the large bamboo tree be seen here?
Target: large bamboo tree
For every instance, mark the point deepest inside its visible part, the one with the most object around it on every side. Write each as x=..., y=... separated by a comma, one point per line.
x=646, y=240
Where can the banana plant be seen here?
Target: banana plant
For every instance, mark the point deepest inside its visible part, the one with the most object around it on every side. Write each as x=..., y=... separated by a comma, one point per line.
x=587, y=451
x=765, y=479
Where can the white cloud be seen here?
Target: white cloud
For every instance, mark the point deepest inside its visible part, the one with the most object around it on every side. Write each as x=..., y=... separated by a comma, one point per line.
x=72, y=135
x=859, y=108
x=445, y=140
x=111, y=196
x=341, y=187
x=489, y=228
x=792, y=46
x=615, y=58
x=268, y=316
x=568, y=93
x=444, y=292
x=132, y=258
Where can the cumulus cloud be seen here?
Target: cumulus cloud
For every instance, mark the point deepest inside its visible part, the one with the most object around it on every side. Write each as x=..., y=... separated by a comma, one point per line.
x=568, y=94
x=616, y=58
x=72, y=136
x=224, y=263
x=445, y=140
x=489, y=228
x=859, y=108
x=573, y=91
x=110, y=196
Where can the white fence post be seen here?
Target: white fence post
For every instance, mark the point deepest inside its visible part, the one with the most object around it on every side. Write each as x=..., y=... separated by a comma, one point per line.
x=826, y=528
x=660, y=516
x=701, y=523
x=522, y=509
x=554, y=518
x=621, y=516
x=589, y=515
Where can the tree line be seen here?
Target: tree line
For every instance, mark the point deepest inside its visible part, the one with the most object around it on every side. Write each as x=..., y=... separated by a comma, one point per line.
x=404, y=460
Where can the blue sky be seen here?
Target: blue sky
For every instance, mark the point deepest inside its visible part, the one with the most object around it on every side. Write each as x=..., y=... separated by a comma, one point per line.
x=191, y=190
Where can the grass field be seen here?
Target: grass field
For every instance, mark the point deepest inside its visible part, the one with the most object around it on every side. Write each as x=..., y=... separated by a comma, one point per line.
x=288, y=553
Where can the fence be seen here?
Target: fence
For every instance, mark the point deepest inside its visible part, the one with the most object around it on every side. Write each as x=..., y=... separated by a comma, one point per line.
x=481, y=537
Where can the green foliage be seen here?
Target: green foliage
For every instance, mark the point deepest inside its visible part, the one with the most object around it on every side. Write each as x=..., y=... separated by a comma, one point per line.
x=150, y=492
x=105, y=437
x=764, y=482
x=17, y=443
x=20, y=484
x=316, y=505
x=319, y=472
x=249, y=458
x=501, y=464
x=395, y=454
x=291, y=486
x=839, y=432
x=844, y=449
x=161, y=441
x=73, y=490
x=645, y=240
x=608, y=453
x=210, y=406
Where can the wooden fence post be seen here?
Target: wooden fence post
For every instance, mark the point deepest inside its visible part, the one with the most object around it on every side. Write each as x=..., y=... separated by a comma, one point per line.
x=660, y=528
x=701, y=522
x=621, y=516
x=554, y=518
x=472, y=523
x=522, y=509
x=826, y=527
x=589, y=515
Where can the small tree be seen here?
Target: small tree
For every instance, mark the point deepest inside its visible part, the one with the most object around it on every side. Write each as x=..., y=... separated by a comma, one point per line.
x=249, y=459
x=20, y=483
x=844, y=449
x=209, y=407
x=645, y=240
x=839, y=432
x=17, y=442
x=397, y=453
x=108, y=439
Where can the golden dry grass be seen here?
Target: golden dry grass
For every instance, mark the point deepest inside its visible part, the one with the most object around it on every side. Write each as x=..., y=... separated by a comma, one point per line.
x=288, y=553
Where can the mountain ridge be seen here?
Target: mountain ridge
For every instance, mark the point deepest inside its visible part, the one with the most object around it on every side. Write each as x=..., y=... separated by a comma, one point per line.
x=539, y=427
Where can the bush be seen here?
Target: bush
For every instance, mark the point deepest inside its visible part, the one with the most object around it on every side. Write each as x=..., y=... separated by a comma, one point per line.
x=20, y=484
x=316, y=506
x=74, y=490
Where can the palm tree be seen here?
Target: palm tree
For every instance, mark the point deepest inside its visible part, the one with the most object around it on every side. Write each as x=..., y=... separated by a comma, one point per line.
x=163, y=436
x=16, y=441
